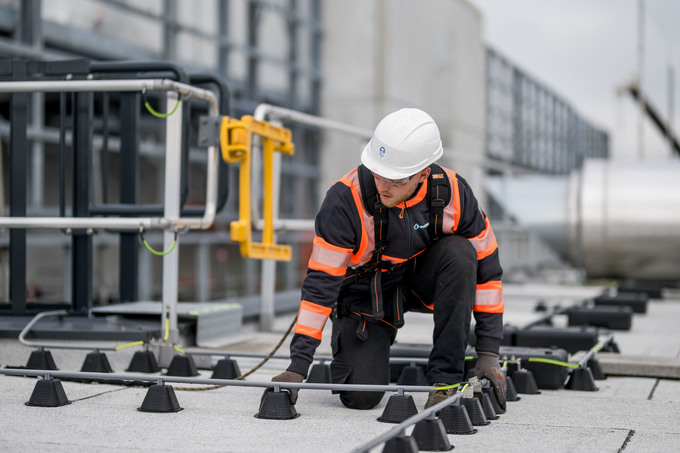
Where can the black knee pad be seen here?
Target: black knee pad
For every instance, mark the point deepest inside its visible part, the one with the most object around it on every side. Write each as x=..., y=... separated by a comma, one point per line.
x=361, y=400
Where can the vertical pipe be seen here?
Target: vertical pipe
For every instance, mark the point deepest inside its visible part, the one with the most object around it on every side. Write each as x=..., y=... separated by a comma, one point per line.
x=202, y=266
x=671, y=98
x=104, y=152
x=271, y=186
x=38, y=152
x=17, y=191
x=253, y=59
x=81, y=251
x=223, y=45
x=173, y=143
x=170, y=30
x=62, y=154
x=129, y=182
x=292, y=53
x=641, y=68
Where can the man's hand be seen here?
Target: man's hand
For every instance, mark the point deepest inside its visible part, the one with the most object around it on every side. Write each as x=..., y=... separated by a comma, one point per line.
x=286, y=376
x=487, y=367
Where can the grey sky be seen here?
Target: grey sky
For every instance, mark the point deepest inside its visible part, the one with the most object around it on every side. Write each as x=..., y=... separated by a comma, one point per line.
x=585, y=49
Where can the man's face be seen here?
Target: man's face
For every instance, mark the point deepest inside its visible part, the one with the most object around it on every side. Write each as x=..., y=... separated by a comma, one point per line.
x=392, y=193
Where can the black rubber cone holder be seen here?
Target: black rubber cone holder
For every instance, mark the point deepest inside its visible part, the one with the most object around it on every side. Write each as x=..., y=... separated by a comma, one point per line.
x=143, y=362
x=430, y=435
x=398, y=409
x=160, y=398
x=595, y=368
x=48, y=393
x=277, y=406
x=487, y=407
x=412, y=375
x=41, y=360
x=512, y=391
x=456, y=420
x=581, y=379
x=494, y=401
x=475, y=411
x=182, y=365
x=401, y=444
x=525, y=382
x=226, y=369
x=96, y=362
x=319, y=374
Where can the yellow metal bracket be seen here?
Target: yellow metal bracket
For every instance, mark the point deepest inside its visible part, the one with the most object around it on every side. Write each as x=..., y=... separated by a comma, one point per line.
x=236, y=138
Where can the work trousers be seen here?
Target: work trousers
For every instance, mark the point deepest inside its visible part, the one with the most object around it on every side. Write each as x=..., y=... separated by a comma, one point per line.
x=441, y=281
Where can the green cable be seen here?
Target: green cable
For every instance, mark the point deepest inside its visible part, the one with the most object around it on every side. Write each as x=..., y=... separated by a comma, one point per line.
x=156, y=252
x=156, y=113
x=446, y=387
x=134, y=343
x=555, y=362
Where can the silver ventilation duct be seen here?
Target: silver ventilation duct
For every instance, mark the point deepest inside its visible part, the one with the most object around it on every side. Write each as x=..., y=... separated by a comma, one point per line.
x=617, y=219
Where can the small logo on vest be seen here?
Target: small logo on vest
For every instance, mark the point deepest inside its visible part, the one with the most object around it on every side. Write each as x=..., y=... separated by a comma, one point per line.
x=418, y=227
x=382, y=151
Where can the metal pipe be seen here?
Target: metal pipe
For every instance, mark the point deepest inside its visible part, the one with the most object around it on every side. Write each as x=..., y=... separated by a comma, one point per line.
x=401, y=427
x=613, y=218
x=224, y=382
x=284, y=114
x=40, y=344
x=319, y=358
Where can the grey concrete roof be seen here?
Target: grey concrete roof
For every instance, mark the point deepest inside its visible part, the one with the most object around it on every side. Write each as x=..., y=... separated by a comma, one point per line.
x=633, y=414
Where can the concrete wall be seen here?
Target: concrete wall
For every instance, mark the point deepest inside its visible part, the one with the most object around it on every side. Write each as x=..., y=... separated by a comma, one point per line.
x=382, y=55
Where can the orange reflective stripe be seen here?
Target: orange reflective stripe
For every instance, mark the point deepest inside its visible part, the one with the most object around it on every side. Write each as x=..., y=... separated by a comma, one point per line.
x=485, y=242
x=311, y=319
x=452, y=210
x=329, y=258
x=489, y=297
x=351, y=180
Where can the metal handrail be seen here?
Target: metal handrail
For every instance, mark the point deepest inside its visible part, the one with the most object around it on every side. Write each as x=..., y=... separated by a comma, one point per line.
x=123, y=222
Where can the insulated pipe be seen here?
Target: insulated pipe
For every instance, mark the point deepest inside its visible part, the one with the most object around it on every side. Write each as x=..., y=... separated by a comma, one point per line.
x=616, y=219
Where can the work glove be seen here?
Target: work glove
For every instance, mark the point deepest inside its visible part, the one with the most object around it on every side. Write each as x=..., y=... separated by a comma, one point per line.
x=487, y=367
x=286, y=376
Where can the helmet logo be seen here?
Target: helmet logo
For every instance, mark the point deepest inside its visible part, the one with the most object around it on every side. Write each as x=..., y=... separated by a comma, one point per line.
x=382, y=151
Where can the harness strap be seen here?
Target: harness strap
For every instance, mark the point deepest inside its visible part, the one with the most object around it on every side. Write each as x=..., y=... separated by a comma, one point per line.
x=439, y=195
x=380, y=229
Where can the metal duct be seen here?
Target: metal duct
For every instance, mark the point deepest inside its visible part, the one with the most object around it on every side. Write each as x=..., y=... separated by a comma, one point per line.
x=616, y=219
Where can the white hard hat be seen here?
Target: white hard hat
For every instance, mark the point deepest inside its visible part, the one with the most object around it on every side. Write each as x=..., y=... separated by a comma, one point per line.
x=403, y=143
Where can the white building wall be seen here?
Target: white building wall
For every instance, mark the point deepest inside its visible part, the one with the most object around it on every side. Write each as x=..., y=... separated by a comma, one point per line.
x=382, y=55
